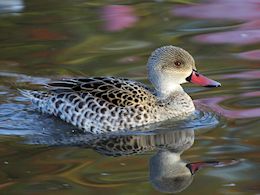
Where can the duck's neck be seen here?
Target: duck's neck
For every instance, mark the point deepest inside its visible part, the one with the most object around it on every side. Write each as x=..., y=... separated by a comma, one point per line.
x=165, y=90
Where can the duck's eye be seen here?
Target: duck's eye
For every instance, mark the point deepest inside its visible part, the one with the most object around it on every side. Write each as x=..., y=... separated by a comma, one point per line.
x=177, y=63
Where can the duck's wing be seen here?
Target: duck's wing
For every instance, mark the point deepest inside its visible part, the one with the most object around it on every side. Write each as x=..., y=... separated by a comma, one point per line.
x=118, y=91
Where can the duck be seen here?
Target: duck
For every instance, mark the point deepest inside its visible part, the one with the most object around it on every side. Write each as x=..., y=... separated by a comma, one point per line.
x=108, y=104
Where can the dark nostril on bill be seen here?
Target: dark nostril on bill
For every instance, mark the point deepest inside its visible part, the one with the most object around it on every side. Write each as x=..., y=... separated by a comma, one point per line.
x=213, y=86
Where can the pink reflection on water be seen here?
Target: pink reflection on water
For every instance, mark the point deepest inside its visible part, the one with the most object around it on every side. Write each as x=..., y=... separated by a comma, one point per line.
x=253, y=74
x=254, y=24
x=221, y=9
x=234, y=37
x=245, y=10
x=214, y=102
x=250, y=55
x=251, y=94
x=118, y=17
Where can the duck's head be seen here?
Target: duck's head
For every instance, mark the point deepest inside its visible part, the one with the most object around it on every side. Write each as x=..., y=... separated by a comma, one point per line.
x=170, y=66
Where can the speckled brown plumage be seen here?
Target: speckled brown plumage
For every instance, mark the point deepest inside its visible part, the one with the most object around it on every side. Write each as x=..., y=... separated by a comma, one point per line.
x=103, y=104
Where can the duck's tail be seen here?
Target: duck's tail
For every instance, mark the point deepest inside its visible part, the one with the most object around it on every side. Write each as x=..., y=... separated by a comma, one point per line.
x=27, y=93
x=39, y=98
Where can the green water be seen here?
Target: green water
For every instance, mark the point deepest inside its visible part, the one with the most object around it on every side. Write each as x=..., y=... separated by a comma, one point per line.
x=45, y=40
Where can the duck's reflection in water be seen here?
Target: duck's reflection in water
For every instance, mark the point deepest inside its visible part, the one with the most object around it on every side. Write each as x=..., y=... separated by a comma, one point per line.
x=168, y=172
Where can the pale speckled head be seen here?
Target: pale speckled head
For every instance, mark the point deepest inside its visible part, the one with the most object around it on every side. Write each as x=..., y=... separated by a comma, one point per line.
x=170, y=66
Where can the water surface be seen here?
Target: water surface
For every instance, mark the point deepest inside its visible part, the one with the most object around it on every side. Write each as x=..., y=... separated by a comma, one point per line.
x=41, y=41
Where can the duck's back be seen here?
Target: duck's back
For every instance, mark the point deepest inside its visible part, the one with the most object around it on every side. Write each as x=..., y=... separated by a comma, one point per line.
x=98, y=104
